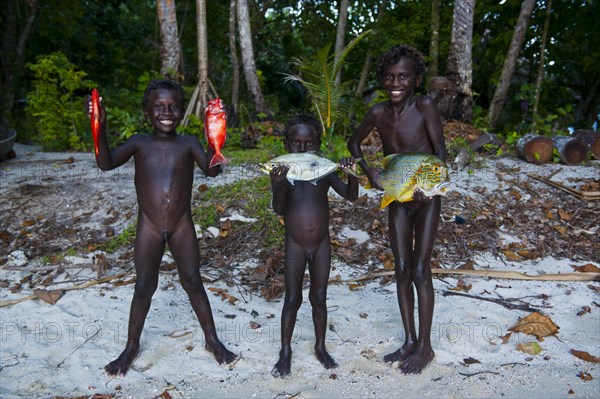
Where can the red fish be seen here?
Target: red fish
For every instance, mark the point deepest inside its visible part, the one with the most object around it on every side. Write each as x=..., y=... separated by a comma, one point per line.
x=215, y=129
x=95, y=119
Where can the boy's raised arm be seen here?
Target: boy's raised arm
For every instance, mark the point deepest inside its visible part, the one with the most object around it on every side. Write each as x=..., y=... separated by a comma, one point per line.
x=203, y=158
x=354, y=142
x=433, y=124
x=107, y=159
x=279, y=187
x=350, y=190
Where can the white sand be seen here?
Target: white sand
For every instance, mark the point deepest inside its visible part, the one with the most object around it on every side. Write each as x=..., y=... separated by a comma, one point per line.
x=60, y=350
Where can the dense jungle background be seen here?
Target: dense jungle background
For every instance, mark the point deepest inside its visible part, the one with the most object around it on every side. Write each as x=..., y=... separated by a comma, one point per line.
x=513, y=67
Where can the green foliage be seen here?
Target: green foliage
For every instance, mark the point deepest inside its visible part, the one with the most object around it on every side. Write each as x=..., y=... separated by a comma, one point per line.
x=272, y=144
x=195, y=127
x=54, y=105
x=248, y=156
x=318, y=75
x=125, y=238
x=252, y=197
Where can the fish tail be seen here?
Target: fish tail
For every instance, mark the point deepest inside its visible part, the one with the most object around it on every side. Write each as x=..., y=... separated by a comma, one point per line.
x=218, y=159
x=386, y=200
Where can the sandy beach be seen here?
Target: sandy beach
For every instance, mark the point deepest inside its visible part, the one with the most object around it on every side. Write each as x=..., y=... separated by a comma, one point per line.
x=59, y=350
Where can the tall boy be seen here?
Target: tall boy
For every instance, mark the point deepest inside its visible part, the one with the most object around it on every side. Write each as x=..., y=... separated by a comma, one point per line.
x=164, y=172
x=305, y=209
x=407, y=123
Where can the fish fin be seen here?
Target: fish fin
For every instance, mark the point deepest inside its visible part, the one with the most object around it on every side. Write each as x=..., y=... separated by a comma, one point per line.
x=313, y=182
x=353, y=173
x=291, y=181
x=386, y=160
x=218, y=159
x=386, y=200
x=368, y=185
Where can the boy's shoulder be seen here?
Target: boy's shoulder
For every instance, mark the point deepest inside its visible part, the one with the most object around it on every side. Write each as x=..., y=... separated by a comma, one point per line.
x=376, y=110
x=425, y=101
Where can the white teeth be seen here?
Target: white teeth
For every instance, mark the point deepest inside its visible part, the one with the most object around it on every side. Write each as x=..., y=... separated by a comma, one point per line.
x=166, y=122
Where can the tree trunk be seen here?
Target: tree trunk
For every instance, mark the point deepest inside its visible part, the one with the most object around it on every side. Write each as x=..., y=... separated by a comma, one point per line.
x=202, y=99
x=444, y=92
x=248, y=58
x=364, y=74
x=341, y=34
x=459, y=68
x=13, y=58
x=540, y=75
x=510, y=62
x=570, y=150
x=170, y=48
x=535, y=149
x=434, y=43
x=235, y=63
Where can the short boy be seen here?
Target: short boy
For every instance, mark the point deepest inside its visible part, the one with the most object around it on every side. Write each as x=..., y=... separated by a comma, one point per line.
x=164, y=172
x=407, y=123
x=305, y=209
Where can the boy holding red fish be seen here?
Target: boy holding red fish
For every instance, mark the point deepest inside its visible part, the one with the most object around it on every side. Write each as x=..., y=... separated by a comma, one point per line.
x=305, y=209
x=407, y=123
x=164, y=172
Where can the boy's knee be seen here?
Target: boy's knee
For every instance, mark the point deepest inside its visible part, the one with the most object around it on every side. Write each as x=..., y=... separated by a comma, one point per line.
x=192, y=283
x=318, y=298
x=292, y=302
x=421, y=275
x=145, y=289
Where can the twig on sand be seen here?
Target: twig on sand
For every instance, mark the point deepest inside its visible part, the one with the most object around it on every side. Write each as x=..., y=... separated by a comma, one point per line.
x=506, y=274
x=467, y=375
x=502, y=302
x=75, y=287
x=76, y=349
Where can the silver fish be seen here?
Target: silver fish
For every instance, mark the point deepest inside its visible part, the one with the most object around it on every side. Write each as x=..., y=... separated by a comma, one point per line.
x=302, y=166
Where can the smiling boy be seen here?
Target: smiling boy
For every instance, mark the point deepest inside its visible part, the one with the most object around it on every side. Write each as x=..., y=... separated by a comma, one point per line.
x=164, y=173
x=407, y=123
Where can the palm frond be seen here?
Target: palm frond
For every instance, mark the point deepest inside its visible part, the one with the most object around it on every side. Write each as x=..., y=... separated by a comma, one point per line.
x=317, y=74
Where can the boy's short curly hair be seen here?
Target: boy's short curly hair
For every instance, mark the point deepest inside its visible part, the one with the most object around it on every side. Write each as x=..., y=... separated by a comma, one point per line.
x=303, y=119
x=161, y=84
x=393, y=55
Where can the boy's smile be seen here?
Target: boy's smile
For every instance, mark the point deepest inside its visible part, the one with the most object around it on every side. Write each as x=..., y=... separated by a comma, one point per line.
x=164, y=111
x=400, y=80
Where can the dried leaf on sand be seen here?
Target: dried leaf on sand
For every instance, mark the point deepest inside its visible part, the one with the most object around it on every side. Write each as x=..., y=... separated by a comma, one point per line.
x=536, y=324
x=585, y=356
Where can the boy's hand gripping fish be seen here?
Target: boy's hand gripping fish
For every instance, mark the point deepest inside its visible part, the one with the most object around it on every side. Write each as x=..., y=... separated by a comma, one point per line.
x=215, y=129
x=95, y=119
x=405, y=173
x=303, y=166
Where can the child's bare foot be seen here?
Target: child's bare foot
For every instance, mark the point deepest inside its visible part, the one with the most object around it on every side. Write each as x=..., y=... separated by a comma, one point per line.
x=120, y=365
x=401, y=354
x=325, y=358
x=220, y=352
x=417, y=361
x=283, y=366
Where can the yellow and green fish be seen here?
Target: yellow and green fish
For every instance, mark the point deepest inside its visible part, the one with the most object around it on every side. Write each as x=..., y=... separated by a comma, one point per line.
x=405, y=173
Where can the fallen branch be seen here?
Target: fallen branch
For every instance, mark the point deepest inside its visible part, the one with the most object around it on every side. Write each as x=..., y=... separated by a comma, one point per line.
x=582, y=195
x=502, y=302
x=504, y=274
x=75, y=287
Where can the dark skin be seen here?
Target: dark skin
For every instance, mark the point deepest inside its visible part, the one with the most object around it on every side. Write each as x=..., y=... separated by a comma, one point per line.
x=408, y=123
x=164, y=167
x=305, y=209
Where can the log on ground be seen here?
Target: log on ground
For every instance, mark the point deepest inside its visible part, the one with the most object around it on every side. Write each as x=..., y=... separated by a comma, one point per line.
x=570, y=150
x=535, y=149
